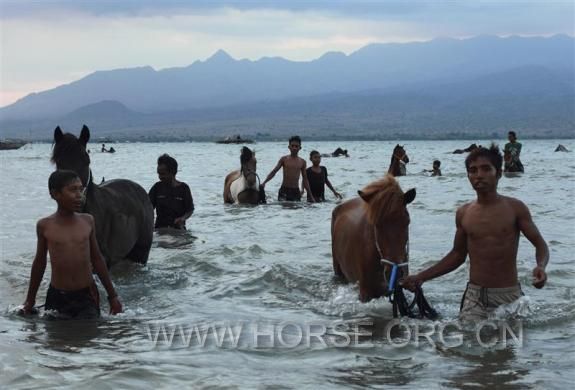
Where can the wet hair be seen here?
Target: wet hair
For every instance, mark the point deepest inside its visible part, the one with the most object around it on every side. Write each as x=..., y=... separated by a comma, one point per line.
x=513, y=134
x=295, y=138
x=493, y=154
x=169, y=162
x=437, y=162
x=313, y=153
x=60, y=179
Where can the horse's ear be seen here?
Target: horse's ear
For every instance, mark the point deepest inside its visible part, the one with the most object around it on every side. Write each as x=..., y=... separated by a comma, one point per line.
x=58, y=135
x=84, y=135
x=409, y=196
x=366, y=197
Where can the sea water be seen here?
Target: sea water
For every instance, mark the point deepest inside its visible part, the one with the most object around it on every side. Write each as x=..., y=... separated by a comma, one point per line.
x=264, y=275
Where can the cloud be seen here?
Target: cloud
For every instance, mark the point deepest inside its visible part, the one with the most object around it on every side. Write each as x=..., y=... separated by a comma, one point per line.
x=57, y=40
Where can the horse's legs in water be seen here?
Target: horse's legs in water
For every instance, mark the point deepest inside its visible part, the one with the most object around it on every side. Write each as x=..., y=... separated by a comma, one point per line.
x=139, y=253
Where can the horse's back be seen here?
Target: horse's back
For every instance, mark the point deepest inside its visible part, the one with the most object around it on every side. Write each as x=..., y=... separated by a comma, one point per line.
x=124, y=219
x=230, y=178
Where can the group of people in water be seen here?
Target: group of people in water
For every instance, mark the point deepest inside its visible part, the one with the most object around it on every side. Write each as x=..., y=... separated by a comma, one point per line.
x=487, y=230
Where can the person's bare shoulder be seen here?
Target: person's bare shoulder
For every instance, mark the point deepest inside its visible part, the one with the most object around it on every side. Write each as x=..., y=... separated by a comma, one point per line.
x=461, y=210
x=517, y=205
x=86, y=217
x=302, y=161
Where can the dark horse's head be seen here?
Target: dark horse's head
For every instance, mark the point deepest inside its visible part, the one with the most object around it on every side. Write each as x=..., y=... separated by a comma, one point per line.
x=397, y=155
x=70, y=153
x=249, y=165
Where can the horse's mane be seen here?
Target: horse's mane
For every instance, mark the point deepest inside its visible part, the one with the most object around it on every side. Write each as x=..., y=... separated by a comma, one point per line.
x=385, y=200
x=246, y=155
x=69, y=146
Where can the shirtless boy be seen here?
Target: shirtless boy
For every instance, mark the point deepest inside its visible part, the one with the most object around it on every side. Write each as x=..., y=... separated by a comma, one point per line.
x=70, y=239
x=293, y=166
x=488, y=230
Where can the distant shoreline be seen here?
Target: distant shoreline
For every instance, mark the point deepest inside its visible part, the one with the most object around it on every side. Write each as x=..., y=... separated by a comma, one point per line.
x=305, y=138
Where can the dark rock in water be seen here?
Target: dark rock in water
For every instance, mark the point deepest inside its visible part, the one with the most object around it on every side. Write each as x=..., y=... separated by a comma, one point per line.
x=11, y=145
x=561, y=148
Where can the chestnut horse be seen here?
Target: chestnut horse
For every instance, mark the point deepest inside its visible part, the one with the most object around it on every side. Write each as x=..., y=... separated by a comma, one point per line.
x=241, y=186
x=122, y=211
x=369, y=234
x=398, y=160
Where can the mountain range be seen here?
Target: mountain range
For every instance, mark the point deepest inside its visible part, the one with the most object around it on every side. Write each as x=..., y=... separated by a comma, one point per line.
x=440, y=88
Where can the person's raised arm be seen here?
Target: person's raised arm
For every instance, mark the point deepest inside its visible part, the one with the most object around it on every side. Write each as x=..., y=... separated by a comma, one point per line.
x=450, y=262
x=530, y=231
x=305, y=182
x=38, y=268
x=101, y=270
x=273, y=172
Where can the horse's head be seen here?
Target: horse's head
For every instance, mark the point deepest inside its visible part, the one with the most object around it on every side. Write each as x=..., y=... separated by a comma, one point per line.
x=400, y=154
x=386, y=210
x=70, y=153
x=249, y=165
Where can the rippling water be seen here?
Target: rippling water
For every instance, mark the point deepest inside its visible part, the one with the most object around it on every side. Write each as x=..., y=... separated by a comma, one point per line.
x=269, y=266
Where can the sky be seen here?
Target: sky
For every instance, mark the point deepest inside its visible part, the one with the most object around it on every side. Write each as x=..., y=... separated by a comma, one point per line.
x=47, y=43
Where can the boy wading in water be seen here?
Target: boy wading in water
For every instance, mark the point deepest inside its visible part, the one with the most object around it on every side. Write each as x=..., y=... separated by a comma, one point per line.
x=292, y=166
x=317, y=179
x=70, y=238
x=488, y=230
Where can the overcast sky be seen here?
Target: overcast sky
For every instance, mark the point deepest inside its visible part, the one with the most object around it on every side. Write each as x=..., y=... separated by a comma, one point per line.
x=46, y=43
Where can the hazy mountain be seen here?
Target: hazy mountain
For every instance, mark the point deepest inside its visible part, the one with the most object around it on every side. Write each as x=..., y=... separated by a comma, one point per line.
x=535, y=100
x=222, y=81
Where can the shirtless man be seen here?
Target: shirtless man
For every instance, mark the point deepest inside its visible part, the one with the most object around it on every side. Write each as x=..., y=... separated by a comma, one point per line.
x=488, y=230
x=70, y=239
x=293, y=166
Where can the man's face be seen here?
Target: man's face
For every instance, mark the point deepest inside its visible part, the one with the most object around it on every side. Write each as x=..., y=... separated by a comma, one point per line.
x=294, y=147
x=164, y=174
x=511, y=137
x=482, y=175
x=70, y=196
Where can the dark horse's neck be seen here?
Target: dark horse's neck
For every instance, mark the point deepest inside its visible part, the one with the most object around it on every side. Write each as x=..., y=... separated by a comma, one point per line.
x=394, y=166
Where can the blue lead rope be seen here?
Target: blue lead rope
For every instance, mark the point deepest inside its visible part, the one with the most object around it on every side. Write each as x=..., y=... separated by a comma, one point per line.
x=392, y=279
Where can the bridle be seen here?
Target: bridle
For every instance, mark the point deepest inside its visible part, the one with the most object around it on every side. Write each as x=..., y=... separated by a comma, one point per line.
x=246, y=172
x=394, y=266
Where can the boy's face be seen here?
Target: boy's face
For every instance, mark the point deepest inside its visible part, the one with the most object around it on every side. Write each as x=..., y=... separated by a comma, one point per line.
x=482, y=175
x=435, y=166
x=316, y=159
x=294, y=147
x=70, y=196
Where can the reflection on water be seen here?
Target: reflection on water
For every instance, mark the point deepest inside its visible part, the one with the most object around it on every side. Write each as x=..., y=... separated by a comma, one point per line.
x=271, y=264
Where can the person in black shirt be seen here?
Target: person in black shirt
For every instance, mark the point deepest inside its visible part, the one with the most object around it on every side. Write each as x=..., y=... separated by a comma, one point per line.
x=317, y=178
x=171, y=198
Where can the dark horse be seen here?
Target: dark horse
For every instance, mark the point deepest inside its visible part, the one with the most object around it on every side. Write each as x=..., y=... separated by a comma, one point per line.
x=369, y=234
x=121, y=209
x=398, y=160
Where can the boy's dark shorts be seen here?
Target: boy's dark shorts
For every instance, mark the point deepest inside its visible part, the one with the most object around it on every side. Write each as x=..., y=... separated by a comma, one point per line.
x=289, y=194
x=78, y=304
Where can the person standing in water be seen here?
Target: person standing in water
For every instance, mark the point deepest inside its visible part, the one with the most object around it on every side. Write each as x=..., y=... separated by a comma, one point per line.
x=293, y=166
x=70, y=239
x=171, y=198
x=512, y=151
x=488, y=230
x=317, y=179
